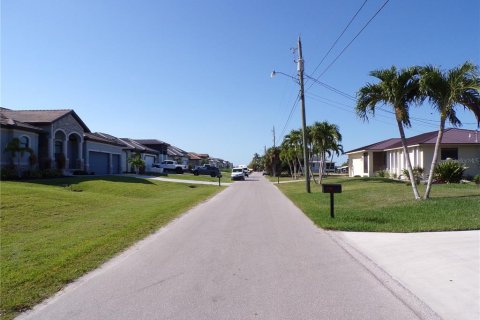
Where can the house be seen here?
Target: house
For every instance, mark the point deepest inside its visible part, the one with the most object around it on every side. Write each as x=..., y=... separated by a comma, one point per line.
x=177, y=154
x=148, y=155
x=194, y=160
x=457, y=144
x=157, y=145
x=59, y=139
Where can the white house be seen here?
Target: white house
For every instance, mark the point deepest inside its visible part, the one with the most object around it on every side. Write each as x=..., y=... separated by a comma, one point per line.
x=457, y=144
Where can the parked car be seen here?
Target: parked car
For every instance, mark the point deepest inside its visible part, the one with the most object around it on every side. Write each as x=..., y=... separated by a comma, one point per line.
x=156, y=168
x=245, y=171
x=237, y=174
x=207, y=170
x=170, y=165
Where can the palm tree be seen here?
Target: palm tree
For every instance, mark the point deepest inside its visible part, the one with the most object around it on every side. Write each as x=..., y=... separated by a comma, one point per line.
x=136, y=162
x=445, y=91
x=397, y=88
x=17, y=150
x=326, y=140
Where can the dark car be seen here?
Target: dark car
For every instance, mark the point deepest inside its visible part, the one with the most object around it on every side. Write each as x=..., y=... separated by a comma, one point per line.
x=207, y=170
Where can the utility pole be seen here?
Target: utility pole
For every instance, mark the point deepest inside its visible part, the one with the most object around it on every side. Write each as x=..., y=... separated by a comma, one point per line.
x=274, y=160
x=304, y=125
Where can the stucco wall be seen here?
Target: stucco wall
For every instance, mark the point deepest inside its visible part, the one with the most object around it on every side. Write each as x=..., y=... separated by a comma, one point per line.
x=7, y=135
x=355, y=163
x=106, y=148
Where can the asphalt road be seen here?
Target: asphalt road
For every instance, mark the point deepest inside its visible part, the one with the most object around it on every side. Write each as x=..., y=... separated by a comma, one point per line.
x=247, y=253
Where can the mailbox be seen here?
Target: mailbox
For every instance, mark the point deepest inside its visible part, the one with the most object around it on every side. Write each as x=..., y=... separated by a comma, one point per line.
x=332, y=188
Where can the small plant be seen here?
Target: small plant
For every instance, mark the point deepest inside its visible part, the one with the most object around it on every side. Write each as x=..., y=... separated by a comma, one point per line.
x=449, y=171
x=383, y=173
x=476, y=179
x=137, y=163
x=417, y=174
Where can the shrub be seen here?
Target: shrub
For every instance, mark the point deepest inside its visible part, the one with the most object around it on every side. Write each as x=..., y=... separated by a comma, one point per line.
x=80, y=172
x=8, y=172
x=417, y=173
x=449, y=171
x=476, y=179
x=383, y=173
x=51, y=173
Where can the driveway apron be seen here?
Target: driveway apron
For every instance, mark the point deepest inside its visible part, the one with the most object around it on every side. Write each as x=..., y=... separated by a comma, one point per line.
x=247, y=253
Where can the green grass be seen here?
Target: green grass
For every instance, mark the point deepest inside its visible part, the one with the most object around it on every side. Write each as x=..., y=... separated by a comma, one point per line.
x=377, y=204
x=54, y=231
x=188, y=176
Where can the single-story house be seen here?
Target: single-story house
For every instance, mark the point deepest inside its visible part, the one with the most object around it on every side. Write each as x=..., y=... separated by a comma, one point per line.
x=177, y=154
x=149, y=155
x=157, y=145
x=457, y=144
x=194, y=160
x=59, y=139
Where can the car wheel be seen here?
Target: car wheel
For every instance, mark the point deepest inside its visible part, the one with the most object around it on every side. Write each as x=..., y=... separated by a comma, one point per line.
x=178, y=170
x=195, y=173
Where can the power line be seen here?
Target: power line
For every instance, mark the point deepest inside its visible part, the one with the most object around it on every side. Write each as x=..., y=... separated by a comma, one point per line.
x=348, y=45
x=338, y=38
x=290, y=115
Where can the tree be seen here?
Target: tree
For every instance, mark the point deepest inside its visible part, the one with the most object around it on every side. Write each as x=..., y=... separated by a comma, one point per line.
x=256, y=163
x=136, y=162
x=397, y=88
x=326, y=140
x=16, y=149
x=445, y=90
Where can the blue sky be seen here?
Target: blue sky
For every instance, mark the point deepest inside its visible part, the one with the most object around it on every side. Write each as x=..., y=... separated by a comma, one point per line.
x=196, y=74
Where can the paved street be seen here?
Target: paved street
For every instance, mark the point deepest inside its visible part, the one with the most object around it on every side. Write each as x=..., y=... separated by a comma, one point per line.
x=247, y=253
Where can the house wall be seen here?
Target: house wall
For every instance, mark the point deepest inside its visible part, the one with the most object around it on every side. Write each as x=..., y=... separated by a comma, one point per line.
x=6, y=135
x=396, y=161
x=355, y=163
x=105, y=148
x=469, y=155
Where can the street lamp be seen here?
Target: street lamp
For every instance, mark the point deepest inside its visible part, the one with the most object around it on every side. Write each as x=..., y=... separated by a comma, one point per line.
x=300, y=67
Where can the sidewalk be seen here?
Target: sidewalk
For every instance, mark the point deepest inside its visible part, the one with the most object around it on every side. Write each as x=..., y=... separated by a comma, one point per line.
x=180, y=180
x=440, y=268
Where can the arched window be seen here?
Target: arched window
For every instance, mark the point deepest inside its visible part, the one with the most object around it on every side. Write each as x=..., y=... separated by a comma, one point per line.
x=24, y=142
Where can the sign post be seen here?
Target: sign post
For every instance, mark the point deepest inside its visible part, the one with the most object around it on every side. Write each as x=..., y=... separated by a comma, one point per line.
x=332, y=189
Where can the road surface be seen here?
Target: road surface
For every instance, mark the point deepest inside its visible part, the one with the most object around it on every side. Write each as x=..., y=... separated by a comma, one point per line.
x=247, y=253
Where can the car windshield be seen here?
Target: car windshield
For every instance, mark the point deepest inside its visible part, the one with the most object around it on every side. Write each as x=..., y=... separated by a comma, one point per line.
x=237, y=170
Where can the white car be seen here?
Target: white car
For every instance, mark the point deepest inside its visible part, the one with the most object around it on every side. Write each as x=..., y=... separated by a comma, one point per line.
x=237, y=174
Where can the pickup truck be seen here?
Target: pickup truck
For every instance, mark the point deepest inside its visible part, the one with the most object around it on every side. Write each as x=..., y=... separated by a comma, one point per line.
x=170, y=165
x=207, y=170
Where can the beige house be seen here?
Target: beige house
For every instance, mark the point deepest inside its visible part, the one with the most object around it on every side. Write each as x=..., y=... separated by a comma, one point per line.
x=457, y=144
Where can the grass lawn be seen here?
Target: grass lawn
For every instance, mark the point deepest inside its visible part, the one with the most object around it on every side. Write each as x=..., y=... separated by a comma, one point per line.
x=377, y=204
x=189, y=176
x=54, y=231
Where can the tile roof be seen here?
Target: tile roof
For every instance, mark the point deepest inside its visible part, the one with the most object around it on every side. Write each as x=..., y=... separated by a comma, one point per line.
x=175, y=152
x=99, y=137
x=134, y=145
x=8, y=122
x=193, y=156
x=41, y=116
x=151, y=141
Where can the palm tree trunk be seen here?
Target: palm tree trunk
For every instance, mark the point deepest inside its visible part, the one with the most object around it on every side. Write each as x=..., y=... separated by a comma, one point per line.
x=434, y=160
x=407, y=159
x=320, y=170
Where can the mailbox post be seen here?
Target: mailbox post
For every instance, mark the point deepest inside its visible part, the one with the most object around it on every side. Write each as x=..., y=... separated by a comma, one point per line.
x=219, y=177
x=332, y=189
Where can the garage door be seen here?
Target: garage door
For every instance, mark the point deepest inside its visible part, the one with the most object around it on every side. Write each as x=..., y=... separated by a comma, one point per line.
x=99, y=162
x=149, y=160
x=115, y=163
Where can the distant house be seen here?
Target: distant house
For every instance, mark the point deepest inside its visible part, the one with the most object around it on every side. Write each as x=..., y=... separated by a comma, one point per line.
x=177, y=154
x=457, y=144
x=160, y=146
x=194, y=160
x=149, y=155
x=59, y=139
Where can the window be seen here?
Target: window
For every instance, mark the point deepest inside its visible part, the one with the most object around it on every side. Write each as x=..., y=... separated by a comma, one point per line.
x=24, y=142
x=365, y=162
x=451, y=153
x=58, y=146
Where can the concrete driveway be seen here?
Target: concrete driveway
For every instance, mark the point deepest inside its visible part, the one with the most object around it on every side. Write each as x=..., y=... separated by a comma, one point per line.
x=247, y=253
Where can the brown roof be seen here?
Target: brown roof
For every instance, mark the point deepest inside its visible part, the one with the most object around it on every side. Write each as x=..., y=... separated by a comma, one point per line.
x=450, y=136
x=134, y=145
x=10, y=123
x=381, y=145
x=41, y=116
x=193, y=156
x=151, y=142
x=98, y=137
